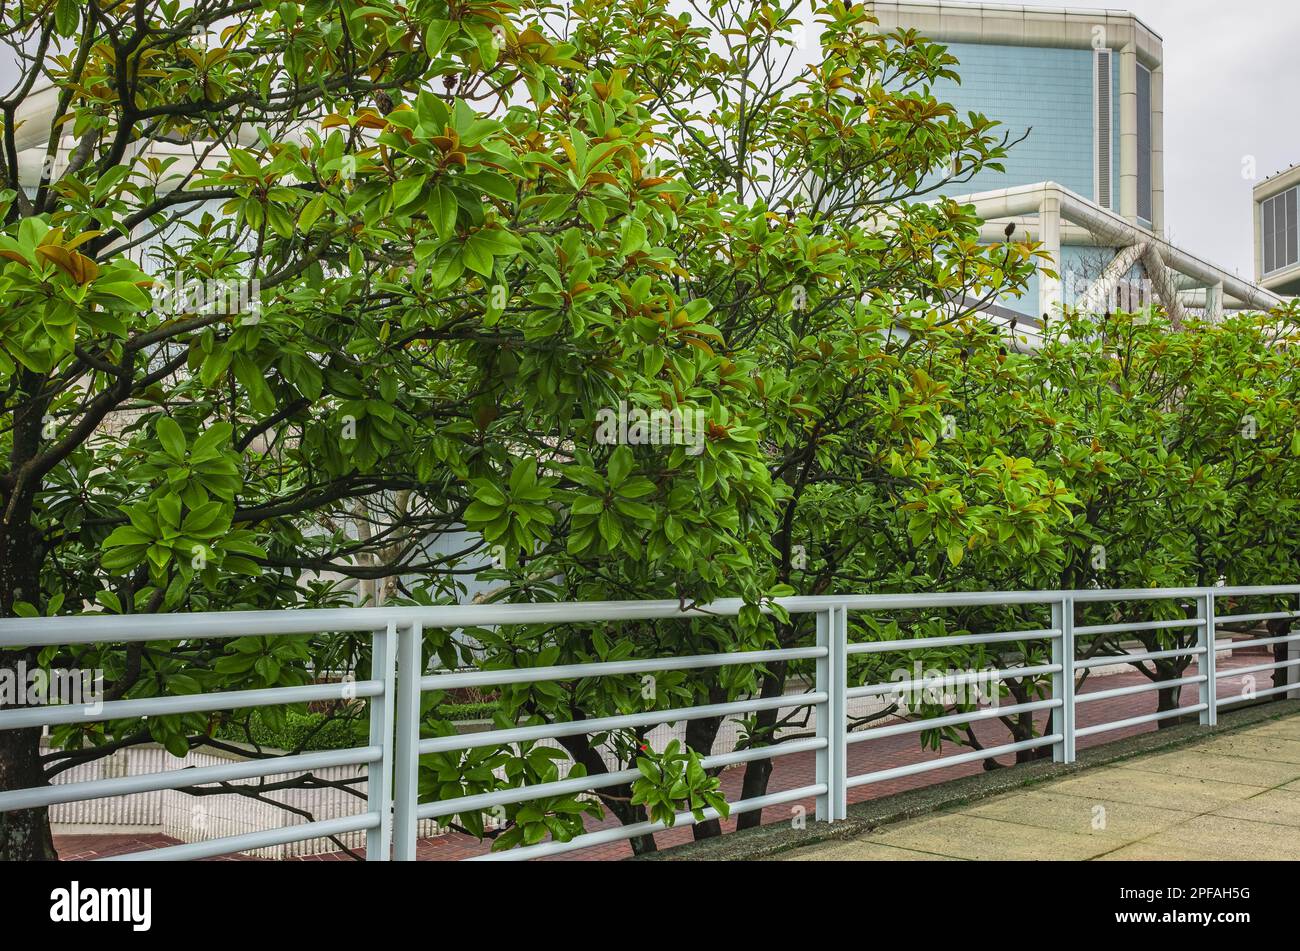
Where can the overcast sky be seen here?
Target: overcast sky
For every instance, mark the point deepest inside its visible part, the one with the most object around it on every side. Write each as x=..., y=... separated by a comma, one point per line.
x=1232, y=74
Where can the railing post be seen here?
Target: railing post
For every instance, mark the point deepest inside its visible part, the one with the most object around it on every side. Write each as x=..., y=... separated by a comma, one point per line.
x=1062, y=719
x=379, y=774
x=406, y=791
x=832, y=717
x=1292, y=673
x=1207, y=667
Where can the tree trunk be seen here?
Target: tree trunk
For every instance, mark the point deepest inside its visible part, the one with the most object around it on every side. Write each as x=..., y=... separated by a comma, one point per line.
x=700, y=736
x=1167, y=699
x=1280, y=627
x=759, y=771
x=581, y=750
x=24, y=833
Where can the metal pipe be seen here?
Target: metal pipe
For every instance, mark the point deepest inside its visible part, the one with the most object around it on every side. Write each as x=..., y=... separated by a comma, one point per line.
x=1137, y=721
x=645, y=828
x=550, y=731
x=913, y=768
x=939, y=683
x=590, y=783
x=486, y=678
x=922, y=643
x=190, y=776
x=956, y=719
x=27, y=717
x=252, y=840
x=1139, y=688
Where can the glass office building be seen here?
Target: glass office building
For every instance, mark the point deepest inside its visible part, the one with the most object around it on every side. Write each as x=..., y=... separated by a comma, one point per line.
x=1081, y=92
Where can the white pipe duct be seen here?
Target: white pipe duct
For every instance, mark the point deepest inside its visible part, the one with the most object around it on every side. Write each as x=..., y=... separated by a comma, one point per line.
x=1028, y=199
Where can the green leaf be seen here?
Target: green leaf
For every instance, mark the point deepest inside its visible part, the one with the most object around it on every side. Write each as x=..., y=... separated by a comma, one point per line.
x=442, y=209
x=436, y=35
x=620, y=465
x=171, y=437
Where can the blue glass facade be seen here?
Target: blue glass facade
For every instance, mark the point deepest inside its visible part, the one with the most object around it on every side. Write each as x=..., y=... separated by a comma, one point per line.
x=1047, y=95
x=1046, y=92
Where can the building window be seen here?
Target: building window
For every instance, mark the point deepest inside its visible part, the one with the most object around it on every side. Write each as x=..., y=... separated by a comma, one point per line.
x=1144, y=143
x=1279, y=229
x=1102, y=127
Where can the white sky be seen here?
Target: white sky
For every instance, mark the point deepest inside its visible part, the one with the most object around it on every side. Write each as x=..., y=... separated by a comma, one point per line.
x=1232, y=78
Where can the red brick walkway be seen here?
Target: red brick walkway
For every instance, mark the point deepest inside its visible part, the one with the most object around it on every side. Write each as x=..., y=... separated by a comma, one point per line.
x=789, y=772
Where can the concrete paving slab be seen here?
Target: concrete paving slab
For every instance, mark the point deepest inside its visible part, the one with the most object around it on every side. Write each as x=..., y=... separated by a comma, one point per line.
x=1096, y=816
x=1233, y=839
x=1233, y=797
x=1183, y=793
x=1288, y=727
x=1216, y=766
x=1276, y=806
x=1277, y=749
x=973, y=837
x=1146, y=852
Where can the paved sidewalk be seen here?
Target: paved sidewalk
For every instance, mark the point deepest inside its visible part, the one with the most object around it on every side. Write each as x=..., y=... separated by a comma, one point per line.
x=1232, y=797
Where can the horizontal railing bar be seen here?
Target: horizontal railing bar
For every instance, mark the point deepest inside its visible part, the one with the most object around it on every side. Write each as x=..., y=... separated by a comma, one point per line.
x=551, y=731
x=913, y=768
x=1260, y=694
x=188, y=776
x=943, y=683
x=483, y=678
x=1221, y=646
x=26, y=717
x=89, y=628
x=251, y=840
x=567, y=787
x=1134, y=626
x=1110, y=659
x=1138, y=721
x=616, y=833
x=1256, y=668
x=916, y=726
x=1267, y=616
x=1137, y=688
x=922, y=643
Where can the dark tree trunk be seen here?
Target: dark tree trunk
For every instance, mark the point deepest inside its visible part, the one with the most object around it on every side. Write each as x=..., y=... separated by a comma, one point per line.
x=24, y=833
x=1167, y=699
x=624, y=811
x=758, y=772
x=700, y=735
x=1280, y=627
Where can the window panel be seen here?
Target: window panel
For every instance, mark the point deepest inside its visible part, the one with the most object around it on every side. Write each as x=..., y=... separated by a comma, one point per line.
x=1144, y=196
x=1269, y=236
x=1292, y=225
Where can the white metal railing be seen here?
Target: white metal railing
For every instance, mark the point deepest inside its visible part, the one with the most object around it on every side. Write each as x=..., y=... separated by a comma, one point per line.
x=398, y=680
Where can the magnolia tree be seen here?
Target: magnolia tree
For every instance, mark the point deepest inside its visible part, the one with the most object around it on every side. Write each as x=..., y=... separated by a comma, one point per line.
x=306, y=304
x=1184, y=450
x=448, y=238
